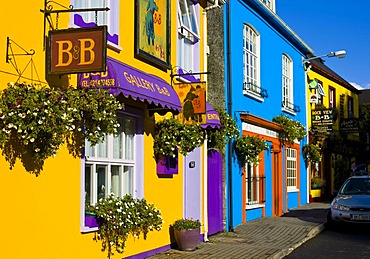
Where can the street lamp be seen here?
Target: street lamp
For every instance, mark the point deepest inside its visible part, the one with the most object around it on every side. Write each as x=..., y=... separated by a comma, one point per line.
x=338, y=54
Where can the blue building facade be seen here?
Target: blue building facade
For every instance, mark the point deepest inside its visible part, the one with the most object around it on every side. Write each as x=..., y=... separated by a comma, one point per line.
x=264, y=78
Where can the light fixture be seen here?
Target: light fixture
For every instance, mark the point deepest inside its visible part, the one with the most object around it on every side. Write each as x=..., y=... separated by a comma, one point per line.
x=338, y=54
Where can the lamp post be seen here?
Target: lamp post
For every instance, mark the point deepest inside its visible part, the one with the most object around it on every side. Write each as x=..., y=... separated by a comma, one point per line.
x=338, y=54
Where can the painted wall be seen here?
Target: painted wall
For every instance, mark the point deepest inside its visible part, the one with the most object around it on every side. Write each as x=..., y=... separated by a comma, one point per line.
x=272, y=46
x=43, y=214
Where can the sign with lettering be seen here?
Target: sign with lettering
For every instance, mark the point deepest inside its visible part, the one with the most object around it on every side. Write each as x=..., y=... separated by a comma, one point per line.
x=193, y=100
x=349, y=125
x=77, y=50
x=322, y=120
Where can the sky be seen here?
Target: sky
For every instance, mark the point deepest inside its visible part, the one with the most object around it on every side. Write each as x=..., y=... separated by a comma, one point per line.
x=332, y=25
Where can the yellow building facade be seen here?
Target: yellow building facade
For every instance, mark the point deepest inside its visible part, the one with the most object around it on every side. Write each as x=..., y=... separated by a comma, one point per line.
x=43, y=216
x=338, y=136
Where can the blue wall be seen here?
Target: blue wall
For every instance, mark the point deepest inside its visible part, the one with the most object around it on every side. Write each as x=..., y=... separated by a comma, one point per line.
x=272, y=46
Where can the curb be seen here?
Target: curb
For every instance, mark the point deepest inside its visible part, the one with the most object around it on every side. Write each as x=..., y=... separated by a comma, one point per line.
x=286, y=251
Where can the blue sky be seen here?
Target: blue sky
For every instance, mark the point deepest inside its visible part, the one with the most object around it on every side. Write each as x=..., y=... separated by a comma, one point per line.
x=331, y=25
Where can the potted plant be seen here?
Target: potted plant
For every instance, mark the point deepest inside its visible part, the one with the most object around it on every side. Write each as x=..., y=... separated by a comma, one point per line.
x=317, y=183
x=187, y=233
x=248, y=148
x=120, y=216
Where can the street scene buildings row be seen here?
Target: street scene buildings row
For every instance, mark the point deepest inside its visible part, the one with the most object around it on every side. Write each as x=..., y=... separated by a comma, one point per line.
x=165, y=59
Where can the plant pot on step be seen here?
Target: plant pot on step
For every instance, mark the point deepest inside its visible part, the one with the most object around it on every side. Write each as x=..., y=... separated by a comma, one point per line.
x=187, y=239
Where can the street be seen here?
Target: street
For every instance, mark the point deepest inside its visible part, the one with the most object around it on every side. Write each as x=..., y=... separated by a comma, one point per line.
x=347, y=241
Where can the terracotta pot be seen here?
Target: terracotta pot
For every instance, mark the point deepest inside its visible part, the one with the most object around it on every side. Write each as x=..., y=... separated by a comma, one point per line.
x=187, y=240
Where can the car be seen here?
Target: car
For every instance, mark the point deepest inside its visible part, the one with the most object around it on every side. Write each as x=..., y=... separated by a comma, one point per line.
x=352, y=203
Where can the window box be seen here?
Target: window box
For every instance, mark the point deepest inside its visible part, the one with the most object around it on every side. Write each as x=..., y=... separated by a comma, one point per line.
x=91, y=220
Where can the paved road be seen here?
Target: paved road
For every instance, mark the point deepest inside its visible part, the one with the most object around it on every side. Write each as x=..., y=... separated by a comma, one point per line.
x=261, y=238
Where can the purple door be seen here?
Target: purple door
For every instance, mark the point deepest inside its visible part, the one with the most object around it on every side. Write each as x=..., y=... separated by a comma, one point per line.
x=215, y=208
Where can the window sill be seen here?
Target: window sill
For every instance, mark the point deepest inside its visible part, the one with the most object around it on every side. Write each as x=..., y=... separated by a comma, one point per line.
x=293, y=189
x=290, y=111
x=85, y=229
x=253, y=95
x=254, y=206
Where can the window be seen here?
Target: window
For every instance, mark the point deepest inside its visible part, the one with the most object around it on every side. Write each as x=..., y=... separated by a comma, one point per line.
x=110, y=165
x=188, y=36
x=254, y=185
x=270, y=4
x=320, y=92
x=287, y=78
x=251, y=63
x=350, y=107
x=291, y=168
x=109, y=18
x=332, y=101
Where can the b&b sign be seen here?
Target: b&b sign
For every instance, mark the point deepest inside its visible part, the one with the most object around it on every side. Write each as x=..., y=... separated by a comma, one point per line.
x=77, y=50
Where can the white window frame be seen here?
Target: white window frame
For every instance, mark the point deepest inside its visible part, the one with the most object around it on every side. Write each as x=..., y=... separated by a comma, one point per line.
x=251, y=63
x=110, y=18
x=135, y=161
x=291, y=169
x=252, y=178
x=287, y=84
x=270, y=4
x=191, y=29
x=188, y=37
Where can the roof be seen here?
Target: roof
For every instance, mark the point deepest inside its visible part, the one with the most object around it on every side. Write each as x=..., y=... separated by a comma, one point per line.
x=318, y=66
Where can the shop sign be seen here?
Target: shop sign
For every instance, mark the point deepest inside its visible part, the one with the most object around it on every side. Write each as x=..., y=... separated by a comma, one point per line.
x=322, y=120
x=314, y=98
x=77, y=50
x=349, y=125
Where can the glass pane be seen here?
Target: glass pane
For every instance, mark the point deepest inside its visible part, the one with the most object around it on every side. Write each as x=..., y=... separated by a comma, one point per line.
x=89, y=150
x=184, y=13
x=127, y=180
x=102, y=181
x=88, y=191
x=117, y=141
x=103, y=148
x=116, y=180
x=129, y=138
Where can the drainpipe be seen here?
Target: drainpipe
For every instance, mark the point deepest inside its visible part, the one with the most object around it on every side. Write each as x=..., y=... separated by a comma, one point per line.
x=229, y=108
x=205, y=153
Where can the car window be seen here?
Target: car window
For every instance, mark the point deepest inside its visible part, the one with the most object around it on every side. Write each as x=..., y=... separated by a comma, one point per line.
x=356, y=186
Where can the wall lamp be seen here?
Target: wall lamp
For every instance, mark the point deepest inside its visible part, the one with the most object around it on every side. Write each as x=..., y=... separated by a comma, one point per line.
x=338, y=54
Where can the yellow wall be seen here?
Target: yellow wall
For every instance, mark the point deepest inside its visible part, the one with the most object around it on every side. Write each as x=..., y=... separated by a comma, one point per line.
x=339, y=90
x=41, y=215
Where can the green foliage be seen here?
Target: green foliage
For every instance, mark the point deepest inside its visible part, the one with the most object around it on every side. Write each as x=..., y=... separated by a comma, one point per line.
x=118, y=217
x=317, y=183
x=311, y=153
x=292, y=129
x=218, y=138
x=248, y=148
x=37, y=121
x=185, y=224
x=171, y=134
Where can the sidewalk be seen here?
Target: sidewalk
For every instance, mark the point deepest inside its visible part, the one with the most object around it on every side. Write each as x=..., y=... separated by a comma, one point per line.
x=261, y=238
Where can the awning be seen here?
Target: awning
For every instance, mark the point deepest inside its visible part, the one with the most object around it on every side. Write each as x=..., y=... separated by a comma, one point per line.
x=131, y=82
x=212, y=117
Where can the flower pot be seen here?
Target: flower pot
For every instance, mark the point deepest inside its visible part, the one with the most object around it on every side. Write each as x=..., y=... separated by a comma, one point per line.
x=315, y=193
x=187, y=240
x=91, y=220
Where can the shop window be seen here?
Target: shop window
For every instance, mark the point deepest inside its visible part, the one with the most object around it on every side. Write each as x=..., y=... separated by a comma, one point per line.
x=254, y=186
x=291, y=169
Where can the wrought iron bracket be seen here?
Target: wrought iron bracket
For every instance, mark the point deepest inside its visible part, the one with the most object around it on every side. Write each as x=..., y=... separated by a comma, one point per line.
x=10, y=57
x=49, y=10
x=175, y=73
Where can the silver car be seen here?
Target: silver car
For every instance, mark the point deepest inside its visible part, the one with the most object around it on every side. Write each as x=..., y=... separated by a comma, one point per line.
x=352, y=203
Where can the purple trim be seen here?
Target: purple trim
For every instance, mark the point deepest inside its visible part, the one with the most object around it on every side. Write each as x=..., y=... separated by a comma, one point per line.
x=212, y=118
x=194, y=1
x=167, y=165
x=190, y=78
x=149, y=253
x=123, y=79
x=91, y=221
x=78, y=20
